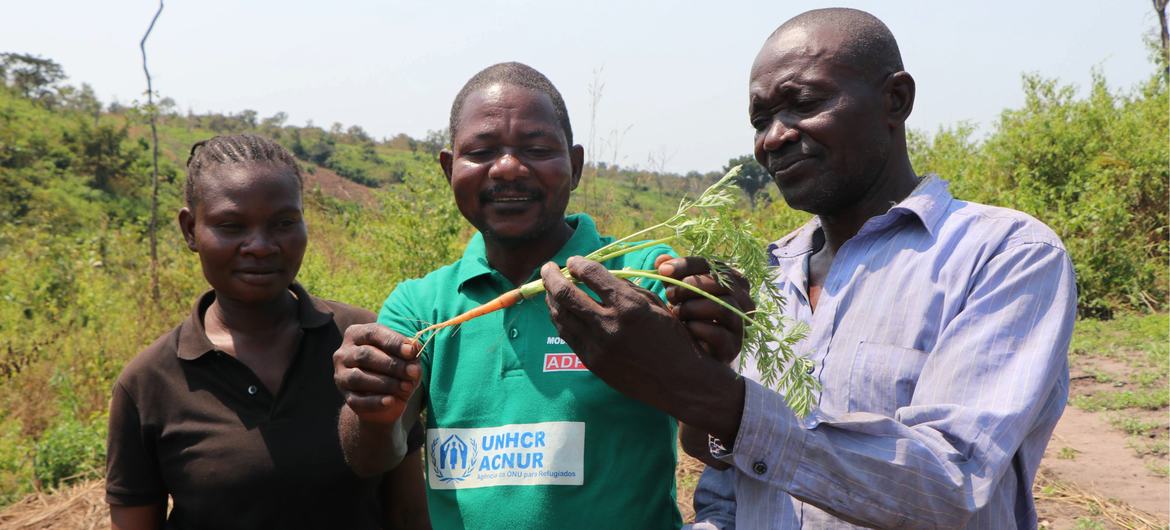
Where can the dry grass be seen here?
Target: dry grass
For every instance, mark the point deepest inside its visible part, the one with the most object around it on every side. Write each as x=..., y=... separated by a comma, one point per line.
x=80, y=506
x=687, y=477
x=1050, y=489
x=83, y=506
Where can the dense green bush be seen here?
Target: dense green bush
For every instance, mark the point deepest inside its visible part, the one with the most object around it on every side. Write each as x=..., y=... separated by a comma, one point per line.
x=68, y=451
x=1094, y=168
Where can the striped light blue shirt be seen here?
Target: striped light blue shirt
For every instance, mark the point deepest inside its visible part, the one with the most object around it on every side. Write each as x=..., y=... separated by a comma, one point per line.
x=940, y=339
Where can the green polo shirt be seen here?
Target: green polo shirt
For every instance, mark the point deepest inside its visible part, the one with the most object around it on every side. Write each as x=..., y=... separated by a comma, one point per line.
x=519, y=433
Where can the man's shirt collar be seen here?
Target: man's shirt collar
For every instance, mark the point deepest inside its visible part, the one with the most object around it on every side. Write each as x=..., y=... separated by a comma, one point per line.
x=584, y=240
x=928, y=203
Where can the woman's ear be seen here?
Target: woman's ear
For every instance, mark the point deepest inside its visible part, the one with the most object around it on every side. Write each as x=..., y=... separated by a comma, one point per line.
x=187, y=226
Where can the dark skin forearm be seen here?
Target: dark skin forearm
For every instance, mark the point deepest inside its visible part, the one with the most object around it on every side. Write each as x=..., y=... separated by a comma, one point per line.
x=404, y=505
x=367, y=445
x=713, y=405
x=639, y=348
x=148, y=517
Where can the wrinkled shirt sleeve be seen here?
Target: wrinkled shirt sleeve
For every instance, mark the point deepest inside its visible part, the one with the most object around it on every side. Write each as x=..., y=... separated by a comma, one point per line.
x=714, y=500
x=998, y=371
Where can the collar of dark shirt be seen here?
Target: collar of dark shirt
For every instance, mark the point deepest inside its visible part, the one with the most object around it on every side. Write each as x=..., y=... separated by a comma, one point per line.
x=927, y=203
x=193, y=342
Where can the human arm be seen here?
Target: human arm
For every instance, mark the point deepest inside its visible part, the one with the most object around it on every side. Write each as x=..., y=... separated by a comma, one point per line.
x=718, y=331
x=970, y=434
x=641, y=349
x=377, y=371
x=714, y=500
x=404, y=499
x=137, y=517
x=133, y=487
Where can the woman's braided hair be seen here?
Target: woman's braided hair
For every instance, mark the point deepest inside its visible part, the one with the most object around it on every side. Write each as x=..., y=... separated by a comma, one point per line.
x=234, y=149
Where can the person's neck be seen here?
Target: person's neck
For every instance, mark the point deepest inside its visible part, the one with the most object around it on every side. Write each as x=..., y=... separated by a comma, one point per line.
x=887, y=190
x=255, y=318
x=517, y=260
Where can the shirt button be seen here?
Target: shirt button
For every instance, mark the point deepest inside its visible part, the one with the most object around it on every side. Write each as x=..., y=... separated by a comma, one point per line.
x=514, y=333
x=252, y=390
x=760, y=467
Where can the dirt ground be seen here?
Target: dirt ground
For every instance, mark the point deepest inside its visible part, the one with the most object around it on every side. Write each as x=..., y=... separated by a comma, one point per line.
x=1101, y=465
x=1102, y=470
x=1104, y=486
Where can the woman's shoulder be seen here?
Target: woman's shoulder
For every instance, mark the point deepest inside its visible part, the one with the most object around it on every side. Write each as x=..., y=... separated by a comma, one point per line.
x=344, y=315
x=146, y=366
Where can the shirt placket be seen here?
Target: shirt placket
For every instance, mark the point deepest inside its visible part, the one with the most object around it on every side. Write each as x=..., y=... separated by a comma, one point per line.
x=244, y=383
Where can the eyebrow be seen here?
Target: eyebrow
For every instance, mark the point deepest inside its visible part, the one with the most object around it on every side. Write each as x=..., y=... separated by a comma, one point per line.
x=529, y=134
x=235, y=209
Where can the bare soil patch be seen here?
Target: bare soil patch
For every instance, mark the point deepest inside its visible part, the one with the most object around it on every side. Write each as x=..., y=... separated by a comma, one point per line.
x=1089, y=454
x=333, y=185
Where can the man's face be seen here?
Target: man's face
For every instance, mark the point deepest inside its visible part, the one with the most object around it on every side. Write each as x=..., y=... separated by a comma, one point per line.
x=510, y=166
x=821, y=130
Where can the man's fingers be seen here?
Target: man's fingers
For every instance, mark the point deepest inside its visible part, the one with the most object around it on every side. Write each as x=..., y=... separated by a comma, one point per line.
x=679, y=268
x=706, y=310
x=706, y=283
x=718, y=340
x=593, y=274
x=563, y=295
x=662, y=258
x=371, y=359
x=375, y=405
x=357, y=381
x=383, y=338
x=569, y=325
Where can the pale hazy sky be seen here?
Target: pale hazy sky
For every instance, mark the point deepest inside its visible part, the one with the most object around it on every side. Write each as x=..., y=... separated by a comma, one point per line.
x=675, y=73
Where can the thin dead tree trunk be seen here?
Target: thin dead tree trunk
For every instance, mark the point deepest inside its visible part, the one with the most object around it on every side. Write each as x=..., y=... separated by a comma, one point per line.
x=1160, y=9
x=153, y=113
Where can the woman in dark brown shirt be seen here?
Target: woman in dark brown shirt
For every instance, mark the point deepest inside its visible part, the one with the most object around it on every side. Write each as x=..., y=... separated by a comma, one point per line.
x=233, y=414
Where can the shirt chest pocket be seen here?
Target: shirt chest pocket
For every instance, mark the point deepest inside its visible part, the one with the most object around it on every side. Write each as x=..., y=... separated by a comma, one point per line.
x=883, y=376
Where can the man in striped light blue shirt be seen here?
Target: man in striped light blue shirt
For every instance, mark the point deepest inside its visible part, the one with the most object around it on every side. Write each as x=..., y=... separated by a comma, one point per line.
x=939, y=328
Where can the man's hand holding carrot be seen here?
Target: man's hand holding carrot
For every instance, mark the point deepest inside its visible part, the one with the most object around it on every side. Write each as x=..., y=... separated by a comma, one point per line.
x=377, y=370
x=675, y=363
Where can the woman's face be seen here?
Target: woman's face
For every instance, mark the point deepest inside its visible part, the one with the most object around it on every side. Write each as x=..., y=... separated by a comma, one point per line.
x=249, y=230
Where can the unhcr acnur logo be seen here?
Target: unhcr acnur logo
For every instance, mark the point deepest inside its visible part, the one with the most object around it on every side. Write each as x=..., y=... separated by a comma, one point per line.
x=454, y=459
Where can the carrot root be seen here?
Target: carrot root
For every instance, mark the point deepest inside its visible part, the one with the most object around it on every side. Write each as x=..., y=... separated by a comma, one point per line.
x=503, y=301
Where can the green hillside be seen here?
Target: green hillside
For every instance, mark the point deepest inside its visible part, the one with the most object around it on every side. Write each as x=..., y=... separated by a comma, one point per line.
x=75, y=209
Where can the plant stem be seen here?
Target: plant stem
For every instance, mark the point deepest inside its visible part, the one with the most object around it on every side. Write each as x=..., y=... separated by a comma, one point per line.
x=626, y=250
x=627, y=273
x=535, y=287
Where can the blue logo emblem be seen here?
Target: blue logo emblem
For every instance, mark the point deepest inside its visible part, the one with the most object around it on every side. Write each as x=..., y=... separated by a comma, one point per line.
x=454, y=459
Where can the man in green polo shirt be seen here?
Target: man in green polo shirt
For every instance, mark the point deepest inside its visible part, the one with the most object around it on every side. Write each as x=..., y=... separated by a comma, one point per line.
x=519, y=433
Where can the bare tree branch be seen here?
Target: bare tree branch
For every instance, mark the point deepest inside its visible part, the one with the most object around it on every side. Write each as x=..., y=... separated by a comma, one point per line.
x=1160, y=9
x=153, y=113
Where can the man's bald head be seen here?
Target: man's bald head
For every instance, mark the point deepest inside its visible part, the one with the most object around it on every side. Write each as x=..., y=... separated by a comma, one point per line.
x=866, y=44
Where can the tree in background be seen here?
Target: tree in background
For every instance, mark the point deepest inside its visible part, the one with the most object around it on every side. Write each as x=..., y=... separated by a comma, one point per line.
x=1163, y=35
x=153, y=115
x=435, y=141
x=752, y=179
x=33, y=77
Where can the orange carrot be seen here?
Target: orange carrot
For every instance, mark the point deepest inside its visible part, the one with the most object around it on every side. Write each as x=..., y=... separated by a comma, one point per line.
x=503, y=301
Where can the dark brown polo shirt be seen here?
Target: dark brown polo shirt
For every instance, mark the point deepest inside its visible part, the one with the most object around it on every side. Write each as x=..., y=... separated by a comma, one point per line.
x=192, y=422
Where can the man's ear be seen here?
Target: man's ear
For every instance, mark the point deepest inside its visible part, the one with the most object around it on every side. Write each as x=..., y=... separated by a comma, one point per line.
x=577, y=159
x=187, y=226
x=446, y=159
x=899, y=94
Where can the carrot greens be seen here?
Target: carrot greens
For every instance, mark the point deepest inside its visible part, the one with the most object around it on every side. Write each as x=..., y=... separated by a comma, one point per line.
x=707, y=227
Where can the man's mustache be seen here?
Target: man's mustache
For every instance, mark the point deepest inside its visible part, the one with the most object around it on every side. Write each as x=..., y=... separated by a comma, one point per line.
x=510, y=191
